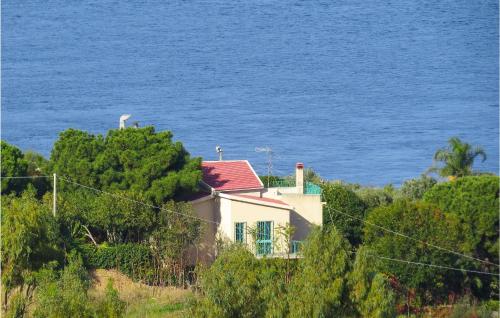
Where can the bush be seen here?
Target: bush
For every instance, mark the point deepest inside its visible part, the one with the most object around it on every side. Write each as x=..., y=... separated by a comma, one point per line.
x=374, y=197
x=319, y=288
x=231, y=286
x=427, y=224
x=340, y=198
x=415, y=189
x=474, y=201
x=111, y=306
x=132, y=259
x=63, y=294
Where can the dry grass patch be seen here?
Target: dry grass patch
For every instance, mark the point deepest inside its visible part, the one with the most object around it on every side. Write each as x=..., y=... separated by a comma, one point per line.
x=142, y=300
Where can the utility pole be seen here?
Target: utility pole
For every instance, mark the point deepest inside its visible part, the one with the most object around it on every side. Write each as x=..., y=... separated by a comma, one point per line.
x=54, y=200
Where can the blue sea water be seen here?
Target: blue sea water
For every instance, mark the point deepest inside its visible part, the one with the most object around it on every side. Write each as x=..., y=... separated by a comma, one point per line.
x=363, y=91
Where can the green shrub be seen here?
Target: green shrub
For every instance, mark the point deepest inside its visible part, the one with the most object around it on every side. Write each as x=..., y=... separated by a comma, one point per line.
x=427, y=224
x=132, y=259
x=231, y=286
x=340, y=198
x=474, y=201
x=112, y=306
x=63, y=293
x=414, y=189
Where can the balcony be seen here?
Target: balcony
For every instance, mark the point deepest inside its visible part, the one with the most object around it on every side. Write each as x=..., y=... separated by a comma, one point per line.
x=309, y=187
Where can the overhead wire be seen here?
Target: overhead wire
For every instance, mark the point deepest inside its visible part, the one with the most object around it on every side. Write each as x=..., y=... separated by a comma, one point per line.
x=135, y=201
x=335, y=210
x=26, y=177
x=412, y=238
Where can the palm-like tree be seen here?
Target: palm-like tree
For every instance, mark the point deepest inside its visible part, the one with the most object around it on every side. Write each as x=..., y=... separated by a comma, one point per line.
x=457, y=159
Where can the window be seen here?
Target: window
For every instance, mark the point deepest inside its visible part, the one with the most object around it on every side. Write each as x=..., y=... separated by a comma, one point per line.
x=239, y=232
x=264, y=238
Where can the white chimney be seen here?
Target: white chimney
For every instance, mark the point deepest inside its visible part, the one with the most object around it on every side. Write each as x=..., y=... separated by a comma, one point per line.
x=299, y=177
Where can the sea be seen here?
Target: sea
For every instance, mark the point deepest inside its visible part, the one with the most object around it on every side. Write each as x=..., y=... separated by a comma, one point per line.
x=360, y=91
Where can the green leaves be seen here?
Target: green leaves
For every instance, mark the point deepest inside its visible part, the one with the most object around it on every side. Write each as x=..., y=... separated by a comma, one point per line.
x=425, y=223
x=474, y=202
x=339, y=197
x=140, y=160
x=457, y=158
x=319, y=288
x=13, y=165
x=30, y=237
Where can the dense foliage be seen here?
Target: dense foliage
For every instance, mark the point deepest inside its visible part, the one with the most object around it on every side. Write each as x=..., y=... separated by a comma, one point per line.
x=427, y=225
x=30, y=238
x=140, y=160
x=366, y=261
x=474, y=202
x=239, y=285
x=340, y=200
x=134, y=260
x=13, y=165
x=414, y=189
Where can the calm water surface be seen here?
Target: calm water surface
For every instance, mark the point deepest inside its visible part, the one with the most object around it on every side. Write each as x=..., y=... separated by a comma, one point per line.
x=363, y=91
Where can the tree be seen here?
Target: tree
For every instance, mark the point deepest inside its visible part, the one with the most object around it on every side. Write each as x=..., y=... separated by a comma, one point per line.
x=63, y=293
x=30, y=238
x=38, y=166
x=175, y=230
x=121, y=220
x=457, y=158
x=374, y=197
x=426, y=224
x=140, y=160
x=370, y=291
x=13, y=165
x=319, y=288
x=415, y=189
x=231, y=286
x=340, y=198
x=474, y=201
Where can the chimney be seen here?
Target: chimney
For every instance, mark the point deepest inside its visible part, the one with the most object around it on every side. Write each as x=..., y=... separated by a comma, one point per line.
x=299, y=177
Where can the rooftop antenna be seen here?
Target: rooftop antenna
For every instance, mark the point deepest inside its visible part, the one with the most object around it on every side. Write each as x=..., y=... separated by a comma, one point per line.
x=269, y=152
x=123, y=118
x=219, y=150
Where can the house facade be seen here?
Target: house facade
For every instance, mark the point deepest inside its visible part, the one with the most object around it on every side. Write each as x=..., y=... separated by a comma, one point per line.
x=239, y=208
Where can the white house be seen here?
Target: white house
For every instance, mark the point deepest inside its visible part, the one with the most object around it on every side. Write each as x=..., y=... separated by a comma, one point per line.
x=241, y=209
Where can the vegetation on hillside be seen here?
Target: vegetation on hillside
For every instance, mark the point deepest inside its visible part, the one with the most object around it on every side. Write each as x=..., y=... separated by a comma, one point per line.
x=365, y=261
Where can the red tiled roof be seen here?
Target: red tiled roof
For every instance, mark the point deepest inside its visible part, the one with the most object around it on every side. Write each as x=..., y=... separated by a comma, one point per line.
x=230, y=175
x=260, y=199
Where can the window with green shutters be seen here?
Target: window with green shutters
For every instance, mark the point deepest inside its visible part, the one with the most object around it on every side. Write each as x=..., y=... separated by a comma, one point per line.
x=264, y=237
x=239, y=232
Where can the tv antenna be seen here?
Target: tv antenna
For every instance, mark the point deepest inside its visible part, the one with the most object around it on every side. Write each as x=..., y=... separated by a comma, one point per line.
x=269, y=152
x=219, y=150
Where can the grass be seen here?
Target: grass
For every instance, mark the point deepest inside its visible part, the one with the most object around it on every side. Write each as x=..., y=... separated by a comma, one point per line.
x=142, y=300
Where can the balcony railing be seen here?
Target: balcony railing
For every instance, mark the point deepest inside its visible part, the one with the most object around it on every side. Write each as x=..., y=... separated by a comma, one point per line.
x=309, y=187
x=282, y=184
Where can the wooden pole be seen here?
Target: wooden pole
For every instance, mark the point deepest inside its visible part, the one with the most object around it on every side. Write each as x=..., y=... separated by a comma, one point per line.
x=54, y=200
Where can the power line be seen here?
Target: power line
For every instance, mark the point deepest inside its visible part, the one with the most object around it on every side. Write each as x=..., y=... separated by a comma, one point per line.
x=432, y=265
x=26, y=177
x=413, y=239
x=427, y=264
x=135, y=201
